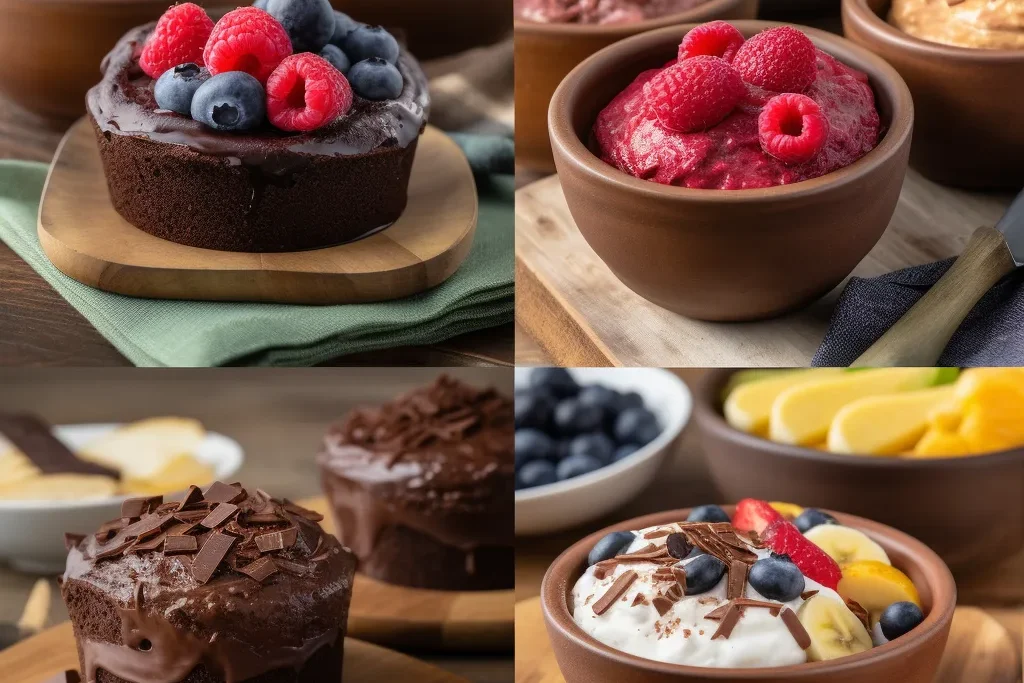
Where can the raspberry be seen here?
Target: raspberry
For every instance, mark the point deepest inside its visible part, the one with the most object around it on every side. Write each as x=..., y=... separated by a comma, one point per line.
x=780, y=59
x=247, y=39
x=694, y=94
x=305, y=92
x=179, y=37
x=792, y=128
x=782, y=538
x=715, y=39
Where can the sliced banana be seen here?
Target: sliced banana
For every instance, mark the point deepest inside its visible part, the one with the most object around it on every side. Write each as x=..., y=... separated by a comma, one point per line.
x=845, y=544
x=835, y=631
x=60, y=487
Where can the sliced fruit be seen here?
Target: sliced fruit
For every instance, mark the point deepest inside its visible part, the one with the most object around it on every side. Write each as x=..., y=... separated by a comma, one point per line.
x=785, y=539
x=789, y=511
x=802, y=414
x=15, y=466
x=60, y=487
x=845, y=544
x=834, y=630
x=887, y=424
x=741, y=377
x=876, y=585
x=940, y=444
x=180, y=472
x=160, y=439
x=754, y=515
x=749, y=405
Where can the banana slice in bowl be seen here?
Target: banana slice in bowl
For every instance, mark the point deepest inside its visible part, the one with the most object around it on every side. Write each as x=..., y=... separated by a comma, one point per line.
x=845, y=544
x=835, y=631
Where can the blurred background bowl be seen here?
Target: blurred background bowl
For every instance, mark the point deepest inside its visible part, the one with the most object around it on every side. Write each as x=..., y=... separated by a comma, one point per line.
x=969, y=510
x=565, y=504
x=32, y=531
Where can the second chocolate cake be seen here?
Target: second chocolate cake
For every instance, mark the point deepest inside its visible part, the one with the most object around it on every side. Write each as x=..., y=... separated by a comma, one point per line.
x=422, y=488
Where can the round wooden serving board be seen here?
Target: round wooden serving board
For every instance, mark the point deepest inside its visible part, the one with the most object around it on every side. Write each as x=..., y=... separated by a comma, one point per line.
x=87, y=240
x=979, y=649
x=53, y=651
x=396, y=616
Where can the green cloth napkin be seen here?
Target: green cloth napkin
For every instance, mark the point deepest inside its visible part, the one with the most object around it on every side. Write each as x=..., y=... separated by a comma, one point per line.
x=152, y=332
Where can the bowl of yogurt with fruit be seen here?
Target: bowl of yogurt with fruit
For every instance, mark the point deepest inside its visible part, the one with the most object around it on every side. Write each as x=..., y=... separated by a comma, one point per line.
x=748, y=592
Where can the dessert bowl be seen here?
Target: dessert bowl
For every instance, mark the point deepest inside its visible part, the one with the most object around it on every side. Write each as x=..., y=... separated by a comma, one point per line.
x=545, y=53
x=565, y=504
x=912, y=658
x=726, y=255
x=969, y=510
x=32, y=531
x=965, y=99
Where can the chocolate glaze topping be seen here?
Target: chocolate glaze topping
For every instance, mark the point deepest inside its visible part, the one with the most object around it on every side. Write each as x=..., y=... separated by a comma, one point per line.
x=123, y=104
x=223, y=600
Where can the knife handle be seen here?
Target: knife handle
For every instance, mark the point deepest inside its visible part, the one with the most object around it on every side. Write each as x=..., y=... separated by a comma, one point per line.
x=922, y=334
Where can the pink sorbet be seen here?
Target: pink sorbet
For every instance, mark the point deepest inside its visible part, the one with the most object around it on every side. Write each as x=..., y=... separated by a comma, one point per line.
x=728, y=156
x=599, y=11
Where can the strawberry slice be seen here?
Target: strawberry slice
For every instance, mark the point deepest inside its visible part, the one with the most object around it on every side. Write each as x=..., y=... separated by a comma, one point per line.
x=782, y=538
x=754, y=515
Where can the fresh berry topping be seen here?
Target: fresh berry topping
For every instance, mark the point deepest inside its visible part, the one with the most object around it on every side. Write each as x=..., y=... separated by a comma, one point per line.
x=703, y=573
x=636, y=425
x=230, y=101
x=558, y=382
x=714, y=39
x=708, y=513
x=573, y=417
x=609, y=546
x=900, y=618
x=792, y=128
x=536, y=473
x=370, y=41
x=179, y=37
x=754, y=515
x=776, y=578
x=305, y=92
x=812, y=517
x=532, y=444
x=577, y=466
x=247, y=39
x=376, y=79
x=337, y=58
x=595, y=445
x=782, y=538
x=780, y=59
x=695, y=94
x=309, y=23
x=343, y=25
x=175, y=88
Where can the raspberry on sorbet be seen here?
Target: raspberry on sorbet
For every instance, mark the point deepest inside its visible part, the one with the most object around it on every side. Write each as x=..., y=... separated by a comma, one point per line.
x=695, y=94
x=714, y=39
x=780, y=59
x=792, y=128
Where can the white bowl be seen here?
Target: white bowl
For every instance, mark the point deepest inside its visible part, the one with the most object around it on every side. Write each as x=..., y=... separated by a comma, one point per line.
x=32, y=531
x=564, y=504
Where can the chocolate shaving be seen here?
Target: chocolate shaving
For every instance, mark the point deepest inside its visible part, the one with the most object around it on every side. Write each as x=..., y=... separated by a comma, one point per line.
x=72, y=540
x=614, y=592
x=309, y=532
x=34, y=438
x=291, y=567
x=150, y=545
x=662, y=604
x=219, y=492
x=737, y=579
x=139, y=594
x=277, y=540
x=116, y=548
x=601, y=572
x=675, y=592
x=859, y=612
x=264, y=518
x=179, y=545
x=807, y=595
x=260, y=569
x=657, y=533
x=728, y=623
x=193, y=496
x=640, y=599
x=719, y=612
x=107, y=531
x=678, y=546
x=190, y=517
x=220, y=514
x=311, y=515
x=679, y=574
x=134, y=507
x=796, y=629
x=147, y=525
x=182, y=528
x=212, y=554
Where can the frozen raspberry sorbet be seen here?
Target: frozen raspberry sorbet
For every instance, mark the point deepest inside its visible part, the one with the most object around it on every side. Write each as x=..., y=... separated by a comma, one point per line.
x=733, y=153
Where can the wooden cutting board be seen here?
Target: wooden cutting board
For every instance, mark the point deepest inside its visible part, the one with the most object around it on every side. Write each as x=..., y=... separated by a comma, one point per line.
x=87, y=240
x=53, y=651
x=979, y=649
x=569, y=300
x=396, y=616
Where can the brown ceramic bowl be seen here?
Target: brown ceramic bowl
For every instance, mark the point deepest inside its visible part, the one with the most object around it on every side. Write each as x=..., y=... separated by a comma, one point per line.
x=912, y=658
x=51, y=49
x=545, y=53
x=968, y=101
x=439, y=27
x=726, y=255
x=968, y=510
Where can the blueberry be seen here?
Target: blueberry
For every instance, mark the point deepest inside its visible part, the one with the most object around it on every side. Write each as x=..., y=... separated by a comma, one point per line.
x=678, y=546
x=708, y=513
x=703, y=573
x=337, y=58
x=531, y=444
x=556, y=381
x=370, y=41
x=609, y=546
x=630, y=399
x=636, y=425
x=776, y=578
x=376, y=79
x=577, y=465
x=624, y=451
x=177, y=86
x=535, y=473
x=308, y=23
x=810, y=518
x=899, y=618
x=232, y=100
x=533, y=409
x=604, y=398
x=694, y=553
x=573, y=417
x=562, y=449
x=343, y=25
x=595, y=445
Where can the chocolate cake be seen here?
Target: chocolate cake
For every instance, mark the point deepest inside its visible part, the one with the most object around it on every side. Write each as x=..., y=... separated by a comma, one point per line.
x=422, y=488
x=257, y=191
x=227, y=584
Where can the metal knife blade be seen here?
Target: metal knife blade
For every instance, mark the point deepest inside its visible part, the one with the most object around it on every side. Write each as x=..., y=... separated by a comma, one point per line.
x=1012, y=227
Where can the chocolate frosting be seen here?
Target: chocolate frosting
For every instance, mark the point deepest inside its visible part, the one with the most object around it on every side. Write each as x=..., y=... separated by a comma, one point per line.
x=438, y=460
x=123, y=103
x=235, y=603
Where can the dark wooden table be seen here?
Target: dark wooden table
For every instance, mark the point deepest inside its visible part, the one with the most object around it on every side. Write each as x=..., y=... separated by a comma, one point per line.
x=277, y=415
x=39, y=328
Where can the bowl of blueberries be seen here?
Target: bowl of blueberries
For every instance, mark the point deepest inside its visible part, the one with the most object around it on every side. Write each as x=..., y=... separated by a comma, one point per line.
x=590, y=439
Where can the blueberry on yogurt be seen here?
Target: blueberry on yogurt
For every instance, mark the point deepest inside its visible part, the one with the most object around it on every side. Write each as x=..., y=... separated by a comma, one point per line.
x=609, y=546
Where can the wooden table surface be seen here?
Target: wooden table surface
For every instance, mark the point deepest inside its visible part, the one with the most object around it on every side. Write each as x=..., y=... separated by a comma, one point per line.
x=39, y=328
x=279, y=417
